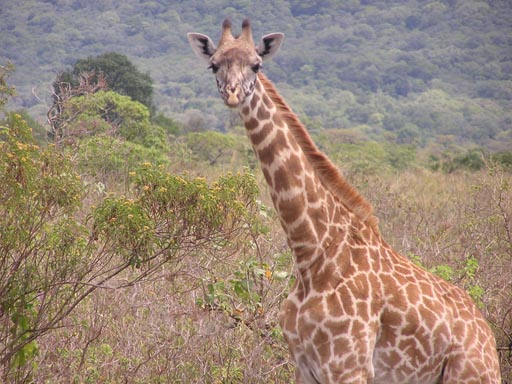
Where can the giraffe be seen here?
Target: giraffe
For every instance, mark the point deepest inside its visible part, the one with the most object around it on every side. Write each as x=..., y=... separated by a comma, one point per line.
x=359, y=312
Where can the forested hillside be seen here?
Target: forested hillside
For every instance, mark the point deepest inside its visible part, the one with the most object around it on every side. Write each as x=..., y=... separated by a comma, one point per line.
x=417, y=72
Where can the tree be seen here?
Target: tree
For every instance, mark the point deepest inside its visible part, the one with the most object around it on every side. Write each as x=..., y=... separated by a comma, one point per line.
x=218, y=148
x=108, y=110
x=51, y=260
x=119, y=73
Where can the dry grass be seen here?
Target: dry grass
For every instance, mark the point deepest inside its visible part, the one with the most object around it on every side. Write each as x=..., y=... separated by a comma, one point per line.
x=161, y=331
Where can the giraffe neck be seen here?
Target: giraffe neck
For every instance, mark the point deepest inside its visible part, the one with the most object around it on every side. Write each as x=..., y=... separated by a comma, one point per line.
x=313, y=201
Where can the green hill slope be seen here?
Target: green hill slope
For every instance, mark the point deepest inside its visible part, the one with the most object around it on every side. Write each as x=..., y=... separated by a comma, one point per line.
x=404, y=71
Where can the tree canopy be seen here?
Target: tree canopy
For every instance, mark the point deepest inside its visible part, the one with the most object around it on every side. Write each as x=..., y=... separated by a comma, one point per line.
x=120, y=75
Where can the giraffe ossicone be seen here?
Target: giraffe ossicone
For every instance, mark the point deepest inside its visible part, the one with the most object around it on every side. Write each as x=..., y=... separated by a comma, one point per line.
x=359, y=312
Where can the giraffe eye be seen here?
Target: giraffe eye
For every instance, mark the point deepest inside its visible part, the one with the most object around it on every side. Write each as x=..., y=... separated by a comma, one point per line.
x=256, y=67
x=213, y=67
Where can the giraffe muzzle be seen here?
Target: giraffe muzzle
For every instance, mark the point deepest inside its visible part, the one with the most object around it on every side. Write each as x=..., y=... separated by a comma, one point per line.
x=232, y=99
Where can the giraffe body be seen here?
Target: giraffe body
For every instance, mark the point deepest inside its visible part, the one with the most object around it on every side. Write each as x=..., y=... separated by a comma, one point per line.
x=359, y=312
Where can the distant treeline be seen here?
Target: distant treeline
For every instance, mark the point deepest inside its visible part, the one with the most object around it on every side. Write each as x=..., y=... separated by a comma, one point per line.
x=414, y=72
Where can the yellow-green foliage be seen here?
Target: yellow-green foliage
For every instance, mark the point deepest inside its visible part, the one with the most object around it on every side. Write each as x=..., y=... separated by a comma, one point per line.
x=55, y=253
x=39, y=245
x=108, y=111
x=168, y=213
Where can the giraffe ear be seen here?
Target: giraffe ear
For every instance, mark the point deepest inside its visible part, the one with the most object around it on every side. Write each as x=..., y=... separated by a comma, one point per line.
x=269, y=45
x=202, y=45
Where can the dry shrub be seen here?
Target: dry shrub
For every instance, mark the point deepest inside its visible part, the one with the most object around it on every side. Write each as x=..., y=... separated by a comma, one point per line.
x=166, y=330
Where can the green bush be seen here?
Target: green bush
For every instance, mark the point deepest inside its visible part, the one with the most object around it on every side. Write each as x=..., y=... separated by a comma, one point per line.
x=109, y=111
x=51, y=260
x=40, y=245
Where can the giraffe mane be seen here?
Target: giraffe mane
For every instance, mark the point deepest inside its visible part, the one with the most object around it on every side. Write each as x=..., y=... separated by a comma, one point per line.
x=327, y=172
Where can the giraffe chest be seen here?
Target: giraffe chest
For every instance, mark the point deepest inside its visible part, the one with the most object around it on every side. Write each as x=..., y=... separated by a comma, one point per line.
x=337, y=336
x=320, y=330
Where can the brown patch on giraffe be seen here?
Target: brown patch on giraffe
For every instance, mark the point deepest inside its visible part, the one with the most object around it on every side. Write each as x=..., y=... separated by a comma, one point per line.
x=368, y=232
x=295, y=145
x=362, y=311
x=338, y=327
x=268, y=177
x=333, y=303
x=375, y=284
x=331, y=250
x=392, y=318
x=322, y=344
x=290, y=210
x=375, y=260
x=344, y=260
x=413, y=293
x=313, y=307
x=302, y=233
x=349, y=363
x=246, y=110
x=292, y=164
x=268, y=154
x=254, y=101
x=359, y=286
x=423, y=335
x=284, y=181
x=358, y=330
x=394, y=356
x=459, y=331
x=466, y=315
x=428, y=316
x=435, y=306
x=251, y=124
x=426, y=288
x=441, y=338
x=263, y=113
x=322, y=279
x=319, y=217
x=403, y=269
x=303, y=252
x=288, y=175
x=340, y=345
x=268, y=103
x=360, y=259
x=355, y=236
x=394, y=294
x=305, y=327
x=258, y=137
x=311, y=190
x=412, y=322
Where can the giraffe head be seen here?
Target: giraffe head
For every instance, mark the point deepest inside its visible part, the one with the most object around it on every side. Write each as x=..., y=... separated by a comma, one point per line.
x=235, y=61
